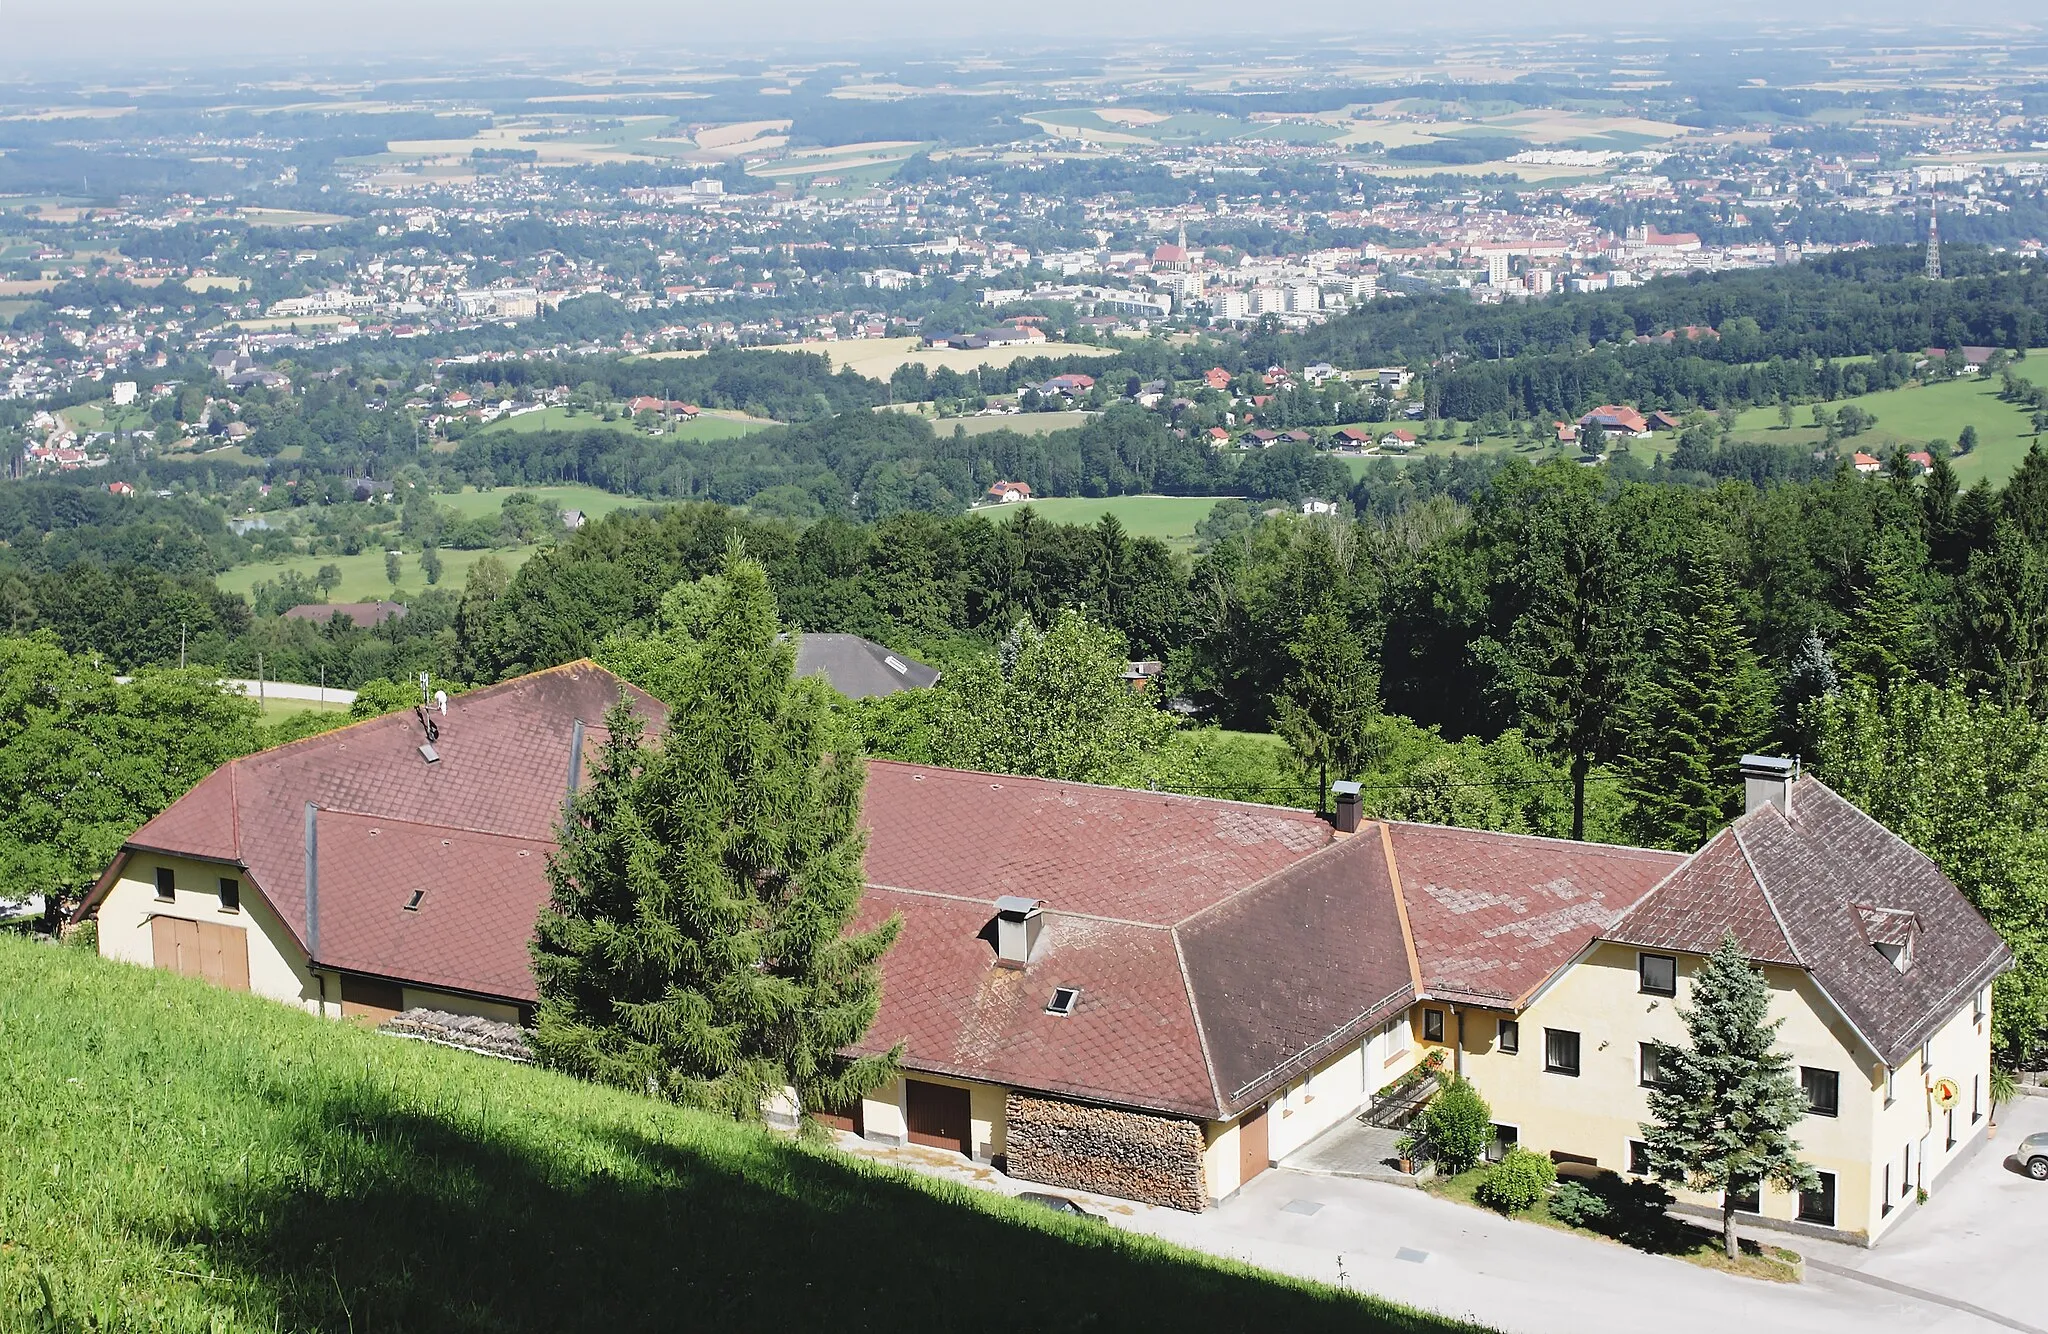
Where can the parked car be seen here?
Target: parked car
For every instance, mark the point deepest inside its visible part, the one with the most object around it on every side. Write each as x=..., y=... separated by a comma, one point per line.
x=1060, y=1204
x=2032, y=1154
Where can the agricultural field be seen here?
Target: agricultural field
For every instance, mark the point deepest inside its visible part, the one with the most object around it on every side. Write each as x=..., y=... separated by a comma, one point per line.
x=362, y=575
x=1913, y=416
x=708, y=426
x=471, y=503
x=1169, y=518
x=303, y=1173
x=1023, y=423
x=878, y=358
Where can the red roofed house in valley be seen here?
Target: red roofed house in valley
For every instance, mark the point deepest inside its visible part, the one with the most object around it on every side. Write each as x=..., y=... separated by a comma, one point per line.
x=1138, y=993
x=1616, y=420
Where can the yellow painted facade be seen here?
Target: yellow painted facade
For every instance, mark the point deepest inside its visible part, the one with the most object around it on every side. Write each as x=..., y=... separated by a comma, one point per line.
x=278, y=968
x=1597, y=1113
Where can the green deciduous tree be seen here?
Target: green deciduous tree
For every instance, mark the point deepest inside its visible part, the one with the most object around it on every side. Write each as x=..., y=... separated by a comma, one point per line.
x=1724, y=1105
x=1964, y=779
x=697, y=942
x=1704, y=702
x=83, y=761
x=1053, y=704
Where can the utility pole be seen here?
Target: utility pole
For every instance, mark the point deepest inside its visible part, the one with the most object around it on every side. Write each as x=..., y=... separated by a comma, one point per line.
x=260, y=702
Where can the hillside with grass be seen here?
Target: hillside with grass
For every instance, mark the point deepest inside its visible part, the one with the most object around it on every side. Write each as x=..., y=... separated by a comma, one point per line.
x=180, y=1158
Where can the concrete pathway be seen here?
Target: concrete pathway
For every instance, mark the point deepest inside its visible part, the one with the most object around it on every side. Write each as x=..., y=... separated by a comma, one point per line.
x=1352, y=1149
x=1520, y=1278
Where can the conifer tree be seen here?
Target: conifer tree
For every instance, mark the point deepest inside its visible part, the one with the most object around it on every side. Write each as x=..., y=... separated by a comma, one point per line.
x=696, y=943
x=1724, y=1104
x=1703, y=704
x=1891, y=633
x=1327, y=709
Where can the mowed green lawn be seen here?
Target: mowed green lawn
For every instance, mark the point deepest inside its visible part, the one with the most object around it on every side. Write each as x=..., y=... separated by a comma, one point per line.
x=1172, y=518
x=189, y=1160
x=362, y=575
x=471, y=503
x=1914, y=416
x=705, y=427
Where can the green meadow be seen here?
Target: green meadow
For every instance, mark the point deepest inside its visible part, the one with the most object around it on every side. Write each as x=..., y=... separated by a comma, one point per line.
x=188, y=1160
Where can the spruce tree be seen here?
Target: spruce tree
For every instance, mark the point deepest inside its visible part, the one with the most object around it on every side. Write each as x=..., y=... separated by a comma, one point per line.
x=696, y=943
x=1891, y=631
x=1704, y=703
x=1330, y=702
x=1724, y=1104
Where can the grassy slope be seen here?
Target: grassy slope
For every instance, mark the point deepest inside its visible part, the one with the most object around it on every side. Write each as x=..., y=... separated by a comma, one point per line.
x=1916, y=415
x=362, y=575
x=1170, y=517
x=184, y=1159
x=471, y=503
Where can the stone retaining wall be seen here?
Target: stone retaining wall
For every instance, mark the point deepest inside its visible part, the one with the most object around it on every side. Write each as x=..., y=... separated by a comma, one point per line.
x=1153, y=1159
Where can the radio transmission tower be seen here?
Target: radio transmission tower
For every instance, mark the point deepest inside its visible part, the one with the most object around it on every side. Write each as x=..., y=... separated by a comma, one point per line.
x=1933, y=246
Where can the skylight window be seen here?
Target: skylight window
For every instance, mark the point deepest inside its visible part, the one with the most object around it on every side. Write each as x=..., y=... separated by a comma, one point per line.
x=413, y=904
x=1064, y=999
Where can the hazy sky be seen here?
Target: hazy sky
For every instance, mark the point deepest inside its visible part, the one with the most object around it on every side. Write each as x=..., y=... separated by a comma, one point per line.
x=66, y=36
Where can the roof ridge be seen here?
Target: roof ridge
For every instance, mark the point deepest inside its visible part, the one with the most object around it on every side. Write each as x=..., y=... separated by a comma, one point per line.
x=1097, y=787
x=1603, y=848
x=1770, y=901
x=1690, y=859
x=431, y=824
x=987, y=903
x=1401, y=906
x=1326, y=850
x=1187, y=984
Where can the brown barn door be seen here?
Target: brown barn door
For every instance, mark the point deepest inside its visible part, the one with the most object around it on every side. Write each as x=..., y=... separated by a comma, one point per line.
x=849, y=1118
x=219, y=954
x=1251, y=1146
x=938, y=1116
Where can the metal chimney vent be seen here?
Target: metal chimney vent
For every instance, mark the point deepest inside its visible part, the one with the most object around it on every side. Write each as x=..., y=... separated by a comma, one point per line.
x=1020, y=926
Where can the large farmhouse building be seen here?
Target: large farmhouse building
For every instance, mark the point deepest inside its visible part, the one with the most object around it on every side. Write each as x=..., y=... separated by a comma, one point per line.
x=1137, y=993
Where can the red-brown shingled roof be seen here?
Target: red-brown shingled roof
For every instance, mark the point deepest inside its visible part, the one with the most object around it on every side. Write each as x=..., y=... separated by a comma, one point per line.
x=1494, y=915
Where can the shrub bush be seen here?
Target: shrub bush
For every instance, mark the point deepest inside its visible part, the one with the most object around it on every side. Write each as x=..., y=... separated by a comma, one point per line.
x=1516, y=1182
x=1455, y=1128
x=1575, y=1205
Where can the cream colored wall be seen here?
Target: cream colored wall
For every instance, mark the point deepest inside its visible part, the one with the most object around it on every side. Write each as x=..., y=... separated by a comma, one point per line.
x=420, y=998
x=1597, y=1113
x=1960, y=1050
x=1331, y=1093
x=882, y=1112
x=277, y=967
x=1219, y=1159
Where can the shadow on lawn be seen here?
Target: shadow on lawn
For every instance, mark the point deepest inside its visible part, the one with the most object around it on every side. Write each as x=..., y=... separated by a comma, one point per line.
x=397, y=1220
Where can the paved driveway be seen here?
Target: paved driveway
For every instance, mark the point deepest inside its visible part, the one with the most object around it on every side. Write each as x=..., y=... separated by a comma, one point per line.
x=1981, y=1238
x=1975, y=1243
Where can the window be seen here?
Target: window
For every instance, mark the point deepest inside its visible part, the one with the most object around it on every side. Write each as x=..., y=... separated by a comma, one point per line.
x=1951, y=1114
x=1432, y=1025
x=166, y=883
x=1397, y=1038
x=1818, y=1206
x=1510, y=1036
x=1889, y=1091
x=1560, y=1051
x=1823, y=1091
x=412, y=904
x=1906, y=1172
x=1063, y=1001
x=1927, y=1056
x=1638, y=1158
x=1504, y=1138
x=230, y=894
x=1983, y=1006
x=1747, y=1197
x=1976, y=1099
x=1886, y=1194
x=1650, y=1077
x=1658, y=974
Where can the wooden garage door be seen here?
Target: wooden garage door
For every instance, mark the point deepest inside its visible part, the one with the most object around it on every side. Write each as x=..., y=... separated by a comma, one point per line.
x=209, y=950
x=848, y=1118
x=370, y=1000
x=938, y=1115
x=1252, y=1152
